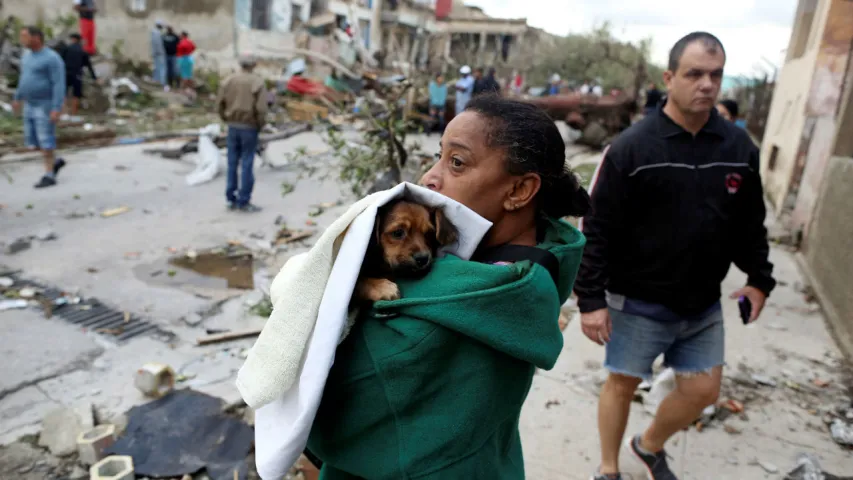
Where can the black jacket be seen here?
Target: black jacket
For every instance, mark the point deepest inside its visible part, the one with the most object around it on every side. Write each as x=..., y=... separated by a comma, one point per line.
x=670, y=213
x=76, y=59
x=170, y=44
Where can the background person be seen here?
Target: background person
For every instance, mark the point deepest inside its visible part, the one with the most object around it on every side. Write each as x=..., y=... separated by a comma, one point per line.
x=242, y=105
x=438, y=100
x=664, y=230
x=76, y=59
x=170, y=44
x=86, y=9
x=41, y=88
x=464, y=89
x=185, y=51
x=158, y=55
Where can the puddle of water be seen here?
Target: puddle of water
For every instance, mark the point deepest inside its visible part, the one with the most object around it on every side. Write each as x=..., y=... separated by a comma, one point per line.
x=218, y=268
x=232, y=264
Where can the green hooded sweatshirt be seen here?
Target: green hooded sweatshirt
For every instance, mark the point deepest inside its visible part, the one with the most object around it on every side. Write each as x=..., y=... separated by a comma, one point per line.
x=431, y=386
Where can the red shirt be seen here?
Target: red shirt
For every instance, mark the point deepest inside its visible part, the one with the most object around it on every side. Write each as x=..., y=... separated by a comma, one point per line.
x=185, y=47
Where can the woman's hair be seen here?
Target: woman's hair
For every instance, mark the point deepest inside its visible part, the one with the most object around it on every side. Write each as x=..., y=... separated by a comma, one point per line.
x=533, y=144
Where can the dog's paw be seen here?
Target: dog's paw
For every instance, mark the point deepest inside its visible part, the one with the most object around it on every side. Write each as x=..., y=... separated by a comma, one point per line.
x=376, y=289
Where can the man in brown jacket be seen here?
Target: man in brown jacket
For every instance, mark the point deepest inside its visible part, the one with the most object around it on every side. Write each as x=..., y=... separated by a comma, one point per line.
x=243, y=106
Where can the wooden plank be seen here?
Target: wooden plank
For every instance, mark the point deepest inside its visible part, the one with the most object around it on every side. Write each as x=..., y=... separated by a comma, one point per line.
x=227, y=336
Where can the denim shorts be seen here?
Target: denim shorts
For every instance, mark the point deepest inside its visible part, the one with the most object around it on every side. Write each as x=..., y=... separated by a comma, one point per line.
x=693, y=346
x=39, y=131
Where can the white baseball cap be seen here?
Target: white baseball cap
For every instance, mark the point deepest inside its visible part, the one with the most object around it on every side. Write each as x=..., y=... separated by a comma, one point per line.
x=465, y=70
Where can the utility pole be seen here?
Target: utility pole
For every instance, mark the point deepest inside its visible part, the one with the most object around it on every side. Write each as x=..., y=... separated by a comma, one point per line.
x=376, y=25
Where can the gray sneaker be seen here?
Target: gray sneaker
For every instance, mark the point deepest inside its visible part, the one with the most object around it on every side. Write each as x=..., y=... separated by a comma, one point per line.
x=607, y=476
x=655, y=463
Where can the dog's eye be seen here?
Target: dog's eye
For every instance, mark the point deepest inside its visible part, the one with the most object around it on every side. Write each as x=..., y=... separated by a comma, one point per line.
x=398, y=234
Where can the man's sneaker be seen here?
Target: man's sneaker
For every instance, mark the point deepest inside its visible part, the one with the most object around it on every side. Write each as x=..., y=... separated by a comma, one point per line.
x=46, y=182
x=607, y=476
x=57, y=166
x=249, y=208
x=231, y=206
x=655, y=463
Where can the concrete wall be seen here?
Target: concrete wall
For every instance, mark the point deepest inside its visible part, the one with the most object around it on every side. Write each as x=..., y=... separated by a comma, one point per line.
x=787, y=116
x=824, y=106
x=828, y=259
x=209, y=22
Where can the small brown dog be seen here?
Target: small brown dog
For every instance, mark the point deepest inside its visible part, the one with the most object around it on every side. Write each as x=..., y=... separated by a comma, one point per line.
x=405, y=240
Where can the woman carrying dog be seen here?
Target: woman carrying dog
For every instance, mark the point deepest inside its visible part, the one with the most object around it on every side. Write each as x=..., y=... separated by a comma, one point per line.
x=431, y=386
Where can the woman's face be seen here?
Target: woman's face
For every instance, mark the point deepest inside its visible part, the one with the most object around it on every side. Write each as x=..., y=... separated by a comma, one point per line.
x=724, y=112
x=469, y=171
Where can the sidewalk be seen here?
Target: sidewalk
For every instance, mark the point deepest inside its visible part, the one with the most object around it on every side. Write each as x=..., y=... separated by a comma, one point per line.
x=789, y=343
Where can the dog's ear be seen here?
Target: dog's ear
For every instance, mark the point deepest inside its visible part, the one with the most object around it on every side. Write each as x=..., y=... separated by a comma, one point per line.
x=445, y=232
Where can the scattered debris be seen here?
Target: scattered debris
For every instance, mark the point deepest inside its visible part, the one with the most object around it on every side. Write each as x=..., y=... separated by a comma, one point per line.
x=808, y=468
x=763, y=380
x=228, y=336
x=842, y=432
x=285, y=235
x=155, y=379
x=13, y=304
x=61, y=427
x=551, y=403
x=767, y=466
x=115, y=211
x=92, y=443
x=185, y=432
x=263, y=308
x=18, y=245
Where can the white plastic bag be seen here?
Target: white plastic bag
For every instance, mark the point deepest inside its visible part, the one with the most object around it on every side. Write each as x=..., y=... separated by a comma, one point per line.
x=207, y=161
x=661, y=386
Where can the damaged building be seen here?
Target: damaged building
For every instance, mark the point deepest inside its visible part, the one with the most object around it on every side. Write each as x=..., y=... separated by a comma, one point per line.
x=422, y=33
x=807, y=153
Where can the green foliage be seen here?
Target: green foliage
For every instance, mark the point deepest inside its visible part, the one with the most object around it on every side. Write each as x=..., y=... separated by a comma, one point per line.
x=597, y=55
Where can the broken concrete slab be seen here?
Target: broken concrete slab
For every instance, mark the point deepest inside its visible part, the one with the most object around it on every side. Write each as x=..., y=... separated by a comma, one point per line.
x=36, y=349
x=61, y=427
x=20, y=461
x=21, y=413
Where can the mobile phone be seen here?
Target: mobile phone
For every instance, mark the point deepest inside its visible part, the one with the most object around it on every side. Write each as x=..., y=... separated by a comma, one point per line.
x=745, y=309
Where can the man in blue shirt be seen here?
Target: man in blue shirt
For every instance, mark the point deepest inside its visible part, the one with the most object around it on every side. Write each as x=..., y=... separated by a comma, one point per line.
x=438, y=100
x=41, y=89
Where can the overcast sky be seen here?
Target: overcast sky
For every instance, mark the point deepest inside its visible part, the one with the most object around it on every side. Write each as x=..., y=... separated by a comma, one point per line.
x=749, y=29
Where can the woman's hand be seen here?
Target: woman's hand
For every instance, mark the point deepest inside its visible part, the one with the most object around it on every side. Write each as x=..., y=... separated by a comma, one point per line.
x=596, y=326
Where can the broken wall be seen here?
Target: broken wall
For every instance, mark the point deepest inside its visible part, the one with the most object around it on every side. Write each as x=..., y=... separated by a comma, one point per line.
x=780, y=146
x=210, y=23
x=827, y=255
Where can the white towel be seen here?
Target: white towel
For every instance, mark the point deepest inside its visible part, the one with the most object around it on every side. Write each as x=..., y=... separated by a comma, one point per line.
x=310, y=296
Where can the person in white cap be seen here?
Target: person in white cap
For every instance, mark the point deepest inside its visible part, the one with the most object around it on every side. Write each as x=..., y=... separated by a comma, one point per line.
x=158, y=54
x=464, y=88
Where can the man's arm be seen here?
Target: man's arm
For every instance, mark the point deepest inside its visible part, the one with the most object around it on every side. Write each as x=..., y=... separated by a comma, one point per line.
x=600, y=226
x=751, y=255
x=57, y=82
x=220, y=99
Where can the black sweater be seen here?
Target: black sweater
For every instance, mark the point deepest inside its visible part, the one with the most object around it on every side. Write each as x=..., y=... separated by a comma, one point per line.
x=670, y=213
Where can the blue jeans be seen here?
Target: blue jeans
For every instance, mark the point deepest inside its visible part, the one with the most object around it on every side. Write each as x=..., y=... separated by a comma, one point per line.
x=39, y=131
x=160, y=70
x=172, y=74
x=693, y=346
x=242, y=143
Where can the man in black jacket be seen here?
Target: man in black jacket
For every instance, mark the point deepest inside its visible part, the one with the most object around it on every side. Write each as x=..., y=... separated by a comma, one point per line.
x=170, y=44
x=76, y=59
x=675, y=201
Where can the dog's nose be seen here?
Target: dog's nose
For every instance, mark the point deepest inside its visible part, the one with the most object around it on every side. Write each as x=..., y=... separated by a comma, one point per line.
x=421, y=259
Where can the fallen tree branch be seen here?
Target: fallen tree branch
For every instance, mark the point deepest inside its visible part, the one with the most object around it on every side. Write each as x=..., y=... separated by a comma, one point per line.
x=319, y=56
